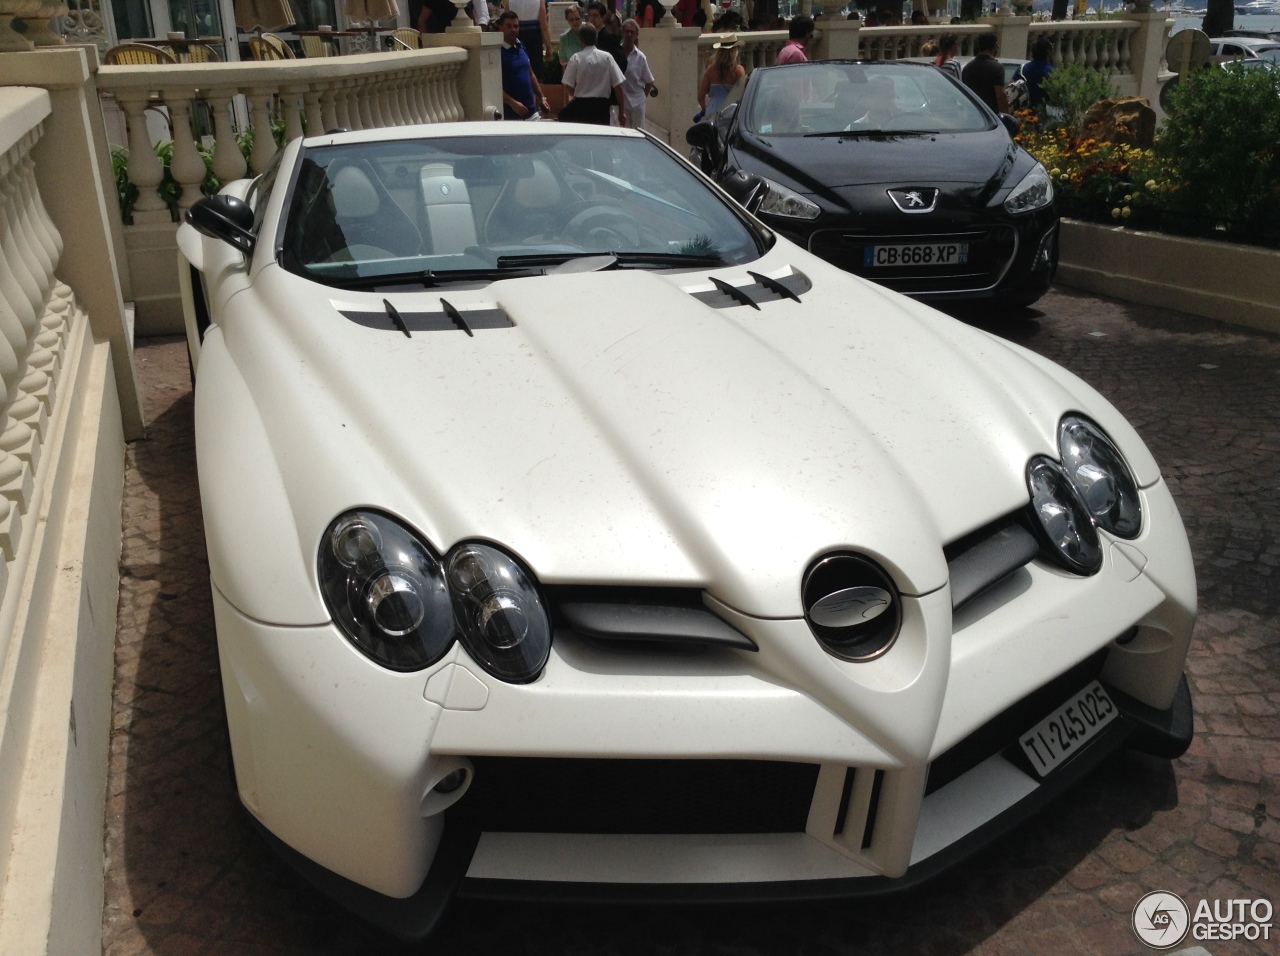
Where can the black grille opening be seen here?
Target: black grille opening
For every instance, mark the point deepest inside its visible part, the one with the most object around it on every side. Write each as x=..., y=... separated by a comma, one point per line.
x=566, y=795
x=869, y=831
x=1001, y=731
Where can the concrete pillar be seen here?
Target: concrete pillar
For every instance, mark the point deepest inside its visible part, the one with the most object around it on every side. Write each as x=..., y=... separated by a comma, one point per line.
x=1014, y=34
x=1146, y=52
x=673, y=58
x=835, y=38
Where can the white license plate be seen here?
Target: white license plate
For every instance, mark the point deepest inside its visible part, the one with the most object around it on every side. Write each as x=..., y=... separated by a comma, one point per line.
x=1068, y=729
x=916, y=254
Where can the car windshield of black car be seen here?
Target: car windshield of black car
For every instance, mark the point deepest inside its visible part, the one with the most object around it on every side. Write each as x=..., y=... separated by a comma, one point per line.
x=829, y=98
x=468, y=205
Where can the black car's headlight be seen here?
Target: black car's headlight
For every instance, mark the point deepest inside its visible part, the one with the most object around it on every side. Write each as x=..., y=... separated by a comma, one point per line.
x=1061, y=520
x=385, y=590
x=778, y=200
x=1101, y=476
x=403, y=607
x=1033, y=192
x=503, y=618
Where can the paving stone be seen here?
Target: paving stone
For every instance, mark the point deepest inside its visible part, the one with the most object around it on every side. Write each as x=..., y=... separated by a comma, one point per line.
x=187, y=874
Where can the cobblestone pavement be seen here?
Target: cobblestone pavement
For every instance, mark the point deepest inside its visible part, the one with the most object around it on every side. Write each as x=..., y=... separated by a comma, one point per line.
x=186, y=875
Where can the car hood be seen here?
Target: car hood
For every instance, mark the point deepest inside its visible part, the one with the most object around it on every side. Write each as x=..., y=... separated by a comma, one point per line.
x=622, y=430
x=823, y=164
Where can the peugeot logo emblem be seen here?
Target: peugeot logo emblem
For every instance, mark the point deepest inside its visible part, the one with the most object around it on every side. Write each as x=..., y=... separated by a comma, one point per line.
x=850, y=606
x=915, y=199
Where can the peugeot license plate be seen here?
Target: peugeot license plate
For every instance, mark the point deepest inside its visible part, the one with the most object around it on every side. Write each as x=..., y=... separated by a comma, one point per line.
x=1068, y=729
x=916, y=254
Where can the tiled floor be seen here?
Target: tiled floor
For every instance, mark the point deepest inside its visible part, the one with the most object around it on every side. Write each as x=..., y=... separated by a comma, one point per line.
x=186, y=875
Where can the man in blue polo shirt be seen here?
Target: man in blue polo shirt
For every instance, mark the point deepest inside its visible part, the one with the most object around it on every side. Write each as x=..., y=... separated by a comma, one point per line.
x=521, y=92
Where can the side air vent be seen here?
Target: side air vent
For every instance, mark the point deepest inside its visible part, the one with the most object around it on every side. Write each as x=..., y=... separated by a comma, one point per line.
x=855, y=824
x=636, y=618
x=761, y=288
x=986, y=557
x=448, y=319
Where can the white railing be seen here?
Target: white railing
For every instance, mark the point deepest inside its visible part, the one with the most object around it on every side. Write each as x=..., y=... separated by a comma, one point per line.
x=1102, y=45
x=365, y=91
x=36, y=313
x=897, y=43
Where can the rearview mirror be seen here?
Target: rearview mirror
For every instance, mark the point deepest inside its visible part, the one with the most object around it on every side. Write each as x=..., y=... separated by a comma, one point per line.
x=1011, y=124
x=746, y=189
x=226, y=218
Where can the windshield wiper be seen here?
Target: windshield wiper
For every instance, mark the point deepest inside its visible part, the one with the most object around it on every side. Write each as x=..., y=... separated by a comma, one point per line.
x=426, y=278
x=669, y=259
x=858, y=133
x=601, y=261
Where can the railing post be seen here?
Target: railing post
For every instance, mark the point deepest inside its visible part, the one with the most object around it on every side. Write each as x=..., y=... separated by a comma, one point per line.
x=1146, y=53
x=836, y=38
x=1014, y=34
x=311, y=105
x=264, y=140
x=145, y=169
x=673, y=58
x=228, y=161
x=187, y=166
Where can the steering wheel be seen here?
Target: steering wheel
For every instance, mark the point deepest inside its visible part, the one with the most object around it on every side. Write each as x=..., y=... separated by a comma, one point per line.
x=607, y=228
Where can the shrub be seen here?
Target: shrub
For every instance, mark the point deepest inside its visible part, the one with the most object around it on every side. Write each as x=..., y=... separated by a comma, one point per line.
x=1074, y=88
x=1223, y=136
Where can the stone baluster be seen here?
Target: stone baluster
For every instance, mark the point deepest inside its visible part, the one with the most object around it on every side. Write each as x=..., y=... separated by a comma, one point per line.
x=26, y=416
x=187, y=166
x=348, y=118
x=385, y=97
x=435, y=104
x=291, y=106
x=422, y=88
x=413, y=94
x=375, y=89
x=456, y=112
x=145, y=169
x=228, y=162
x=264, y=140
x=38, y=260
x=50, y=238
x=329, y=98
x=362, y=107
x=311, y=107
x=404, y=90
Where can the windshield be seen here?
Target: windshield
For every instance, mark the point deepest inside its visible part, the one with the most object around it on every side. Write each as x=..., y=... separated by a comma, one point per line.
x=830, y=98
x=473, y=206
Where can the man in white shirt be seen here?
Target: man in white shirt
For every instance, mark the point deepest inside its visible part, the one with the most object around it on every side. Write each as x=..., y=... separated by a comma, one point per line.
x=589, y=77
x=639, y=78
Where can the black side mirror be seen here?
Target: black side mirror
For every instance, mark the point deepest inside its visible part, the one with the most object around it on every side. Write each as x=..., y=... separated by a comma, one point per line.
x=226, y=218
x=1011, y=124
x=705, y=137
x=745, y=188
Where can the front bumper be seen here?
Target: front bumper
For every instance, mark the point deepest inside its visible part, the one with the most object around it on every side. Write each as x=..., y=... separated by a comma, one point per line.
x=337, y=757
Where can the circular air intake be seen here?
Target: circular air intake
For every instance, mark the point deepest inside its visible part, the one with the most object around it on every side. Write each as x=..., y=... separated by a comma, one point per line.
x=851, y=606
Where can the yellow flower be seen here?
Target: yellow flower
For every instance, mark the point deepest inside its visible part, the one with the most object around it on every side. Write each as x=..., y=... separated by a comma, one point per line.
x=1126, y=212
x=1115, y=213
x=1151, y=184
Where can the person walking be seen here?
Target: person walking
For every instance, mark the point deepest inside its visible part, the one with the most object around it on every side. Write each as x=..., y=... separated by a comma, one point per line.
x=569, y=42
x=521, y=92
x=800, y=35
x=589, y=78
x=1036, y=71
x=985, y=76
x=535, y=32
x=638, y=79
x=948, y=47
x=722, y=75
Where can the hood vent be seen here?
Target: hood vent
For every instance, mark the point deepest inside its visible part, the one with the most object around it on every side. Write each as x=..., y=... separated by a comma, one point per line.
x=440, y=321
x=986, y=557
x=762, y=288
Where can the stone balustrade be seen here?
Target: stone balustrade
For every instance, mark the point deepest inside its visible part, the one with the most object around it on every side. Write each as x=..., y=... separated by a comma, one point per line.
x=1102, y=45
x=364, y=91
x=36, y=315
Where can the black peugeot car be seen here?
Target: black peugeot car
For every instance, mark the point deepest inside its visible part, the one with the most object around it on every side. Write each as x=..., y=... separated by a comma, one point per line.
x=892, y=171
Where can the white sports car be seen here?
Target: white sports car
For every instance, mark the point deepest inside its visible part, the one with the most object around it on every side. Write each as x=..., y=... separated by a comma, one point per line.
x=571, y=533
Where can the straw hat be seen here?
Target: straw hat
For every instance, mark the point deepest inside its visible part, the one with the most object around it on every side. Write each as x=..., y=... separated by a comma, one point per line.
x=727, y=41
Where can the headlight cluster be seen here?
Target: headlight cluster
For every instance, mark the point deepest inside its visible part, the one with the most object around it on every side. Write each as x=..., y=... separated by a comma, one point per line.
x=1092, y=488
x=778, y=200
x=403, y=607
x=1035, y=190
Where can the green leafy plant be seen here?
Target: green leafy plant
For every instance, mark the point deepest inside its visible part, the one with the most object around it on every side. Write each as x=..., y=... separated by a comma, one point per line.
x=1074, y=88
x=1223, y=134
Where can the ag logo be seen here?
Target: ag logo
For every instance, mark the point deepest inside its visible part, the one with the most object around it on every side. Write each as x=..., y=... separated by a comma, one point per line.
x=1161, y=919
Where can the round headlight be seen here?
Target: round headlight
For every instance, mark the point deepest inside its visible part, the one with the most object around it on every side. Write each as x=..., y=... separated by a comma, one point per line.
x=851, y=606
x=385, y=590
x=1061, y=519
x=504, y=622
x=1101, y=476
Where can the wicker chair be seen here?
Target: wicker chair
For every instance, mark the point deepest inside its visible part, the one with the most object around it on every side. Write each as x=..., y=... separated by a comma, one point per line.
x=199, y=53
x=138, y=54
x=314, y=46
x=268, y=46
x=406, y=38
